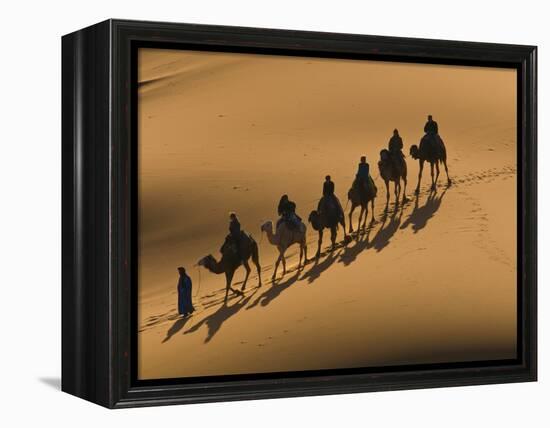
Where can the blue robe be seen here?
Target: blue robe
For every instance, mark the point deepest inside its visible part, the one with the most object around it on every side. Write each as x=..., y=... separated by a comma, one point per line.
x=185, y=302
x=363, y=172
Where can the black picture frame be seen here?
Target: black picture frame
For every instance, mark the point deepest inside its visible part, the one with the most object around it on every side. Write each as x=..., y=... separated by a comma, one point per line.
x=99, y=204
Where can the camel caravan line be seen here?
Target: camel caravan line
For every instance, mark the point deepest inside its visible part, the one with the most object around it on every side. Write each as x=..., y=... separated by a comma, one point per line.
x=240, y=247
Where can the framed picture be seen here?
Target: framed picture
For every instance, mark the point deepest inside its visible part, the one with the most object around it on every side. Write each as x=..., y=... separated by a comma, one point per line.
x=253, y=213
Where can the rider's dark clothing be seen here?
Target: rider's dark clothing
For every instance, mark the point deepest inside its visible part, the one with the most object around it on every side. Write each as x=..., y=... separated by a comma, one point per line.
x=287, y=212
x=363, y=172
x=235, y=229
x=431, y=127
x=329, y=198
x=286, y=206
x=328, y=188
x=395, y=144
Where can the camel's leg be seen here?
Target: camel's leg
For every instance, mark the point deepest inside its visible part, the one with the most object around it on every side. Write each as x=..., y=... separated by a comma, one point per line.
x=447, y=172
x=432, y=174
x=284, y=263
x=404, y=189
x=365, y=209
x=361, y=212
x=437, y=172
x=421, y=163
x=372, y=209
x=333, y=237
x=277, y=265
x=387, y=191
x=305, y=250
x=247, y=268
x=256, y=261
x=343, y=223
x=350, y=214
x=301, y=254
x=228, y=279
x=396, y=191
x=319, y=243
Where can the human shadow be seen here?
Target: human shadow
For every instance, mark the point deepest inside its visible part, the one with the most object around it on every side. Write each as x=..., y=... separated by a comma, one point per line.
x=215, y=320
x=318, y=268
x=177, y=326
x=274, y=291
x=387, y=228
x=420, y=215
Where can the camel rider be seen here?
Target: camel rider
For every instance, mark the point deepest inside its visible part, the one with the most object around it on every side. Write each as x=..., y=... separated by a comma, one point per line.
x=362, y=175
x=395, y=147
x=431, y=127
x=329, y=196
x=287, y=212
x=395, y=144
x=234, y=237
x=328, y=187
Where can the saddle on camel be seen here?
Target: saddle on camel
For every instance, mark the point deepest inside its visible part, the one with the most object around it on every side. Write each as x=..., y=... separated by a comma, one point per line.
x=287, y=213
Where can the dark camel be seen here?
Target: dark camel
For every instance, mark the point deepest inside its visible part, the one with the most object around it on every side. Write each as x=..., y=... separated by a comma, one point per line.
x=432, y=152
x=330, y=219
x=361, y=198
x=392, y=171
x=231, y=261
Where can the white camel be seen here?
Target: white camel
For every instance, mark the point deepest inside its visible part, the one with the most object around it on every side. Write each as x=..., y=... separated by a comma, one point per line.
x=284, y=238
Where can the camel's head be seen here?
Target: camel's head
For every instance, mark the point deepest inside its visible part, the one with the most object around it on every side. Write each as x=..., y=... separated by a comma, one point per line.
x=414, y=151
x=384, y=155
x=267, y=226
x=205, y=260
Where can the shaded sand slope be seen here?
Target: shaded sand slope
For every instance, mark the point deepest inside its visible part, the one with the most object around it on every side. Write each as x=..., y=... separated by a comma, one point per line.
x=432, y=280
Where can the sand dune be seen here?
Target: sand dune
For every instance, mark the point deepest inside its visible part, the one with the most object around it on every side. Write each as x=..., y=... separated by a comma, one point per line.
x=430, y=280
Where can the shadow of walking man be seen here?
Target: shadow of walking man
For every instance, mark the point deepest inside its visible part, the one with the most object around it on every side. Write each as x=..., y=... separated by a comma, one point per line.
x=177, y=326
x=215, y=321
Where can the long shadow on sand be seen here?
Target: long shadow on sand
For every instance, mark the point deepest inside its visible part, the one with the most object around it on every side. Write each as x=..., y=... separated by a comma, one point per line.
x=319, y=267
x=215, y=321
x=388, y=228
x=420, y=215
x=350, y=252
x=177, y=326
x=274, y=291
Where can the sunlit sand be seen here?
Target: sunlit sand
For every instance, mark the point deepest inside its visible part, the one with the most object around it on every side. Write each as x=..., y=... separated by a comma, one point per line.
x=430, y=280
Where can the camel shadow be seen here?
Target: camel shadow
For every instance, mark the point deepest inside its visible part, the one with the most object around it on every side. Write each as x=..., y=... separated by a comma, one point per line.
x=318, y=268
x=274, y=291
x=215, y=320
x=420, y=215
x=177, y=326
x=387, y=229
x=350, y=253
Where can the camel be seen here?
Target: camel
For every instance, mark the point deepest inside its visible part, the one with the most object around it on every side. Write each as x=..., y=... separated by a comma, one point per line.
x=428, y=151
x=330, y=219
x=231, y=261
x=361, y=199
x=284, y=238
x=389, y=172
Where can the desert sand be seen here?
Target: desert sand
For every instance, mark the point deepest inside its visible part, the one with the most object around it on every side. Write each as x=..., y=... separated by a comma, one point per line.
x=431, y=280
